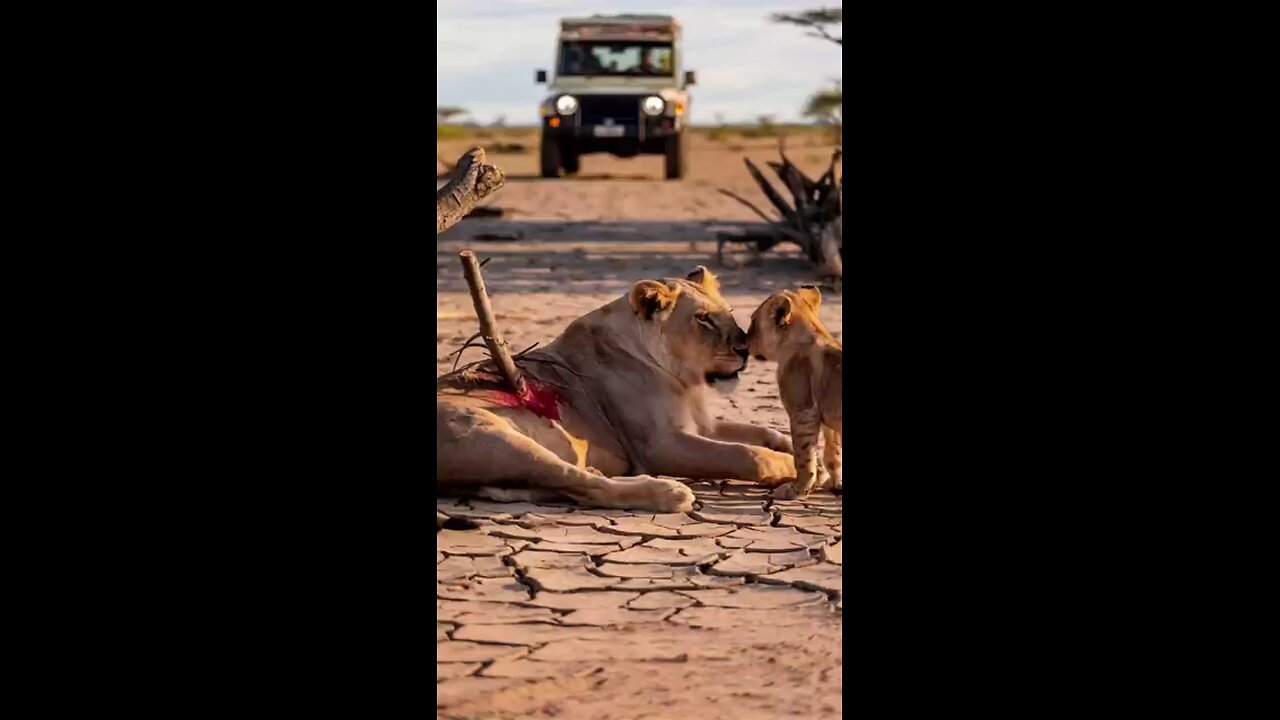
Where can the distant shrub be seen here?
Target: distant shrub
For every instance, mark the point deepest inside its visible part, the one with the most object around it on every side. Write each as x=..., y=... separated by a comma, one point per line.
x=452, y=132
x=719, y=133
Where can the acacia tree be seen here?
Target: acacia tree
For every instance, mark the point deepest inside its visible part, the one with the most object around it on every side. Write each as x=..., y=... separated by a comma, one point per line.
x=827, y=106
x=444, y=113
x=816, y=20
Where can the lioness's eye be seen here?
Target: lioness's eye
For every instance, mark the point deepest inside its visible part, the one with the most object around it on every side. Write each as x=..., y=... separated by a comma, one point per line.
x=705, y=319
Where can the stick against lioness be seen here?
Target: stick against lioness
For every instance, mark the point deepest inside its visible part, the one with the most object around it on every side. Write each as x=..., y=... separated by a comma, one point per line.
x=489, y=326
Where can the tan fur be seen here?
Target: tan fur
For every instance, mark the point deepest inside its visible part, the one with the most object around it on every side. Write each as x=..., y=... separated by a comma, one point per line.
x=786, y=328
x=633, y=377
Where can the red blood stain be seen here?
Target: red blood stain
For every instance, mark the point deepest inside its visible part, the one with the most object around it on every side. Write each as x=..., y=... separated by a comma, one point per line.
x=539, y=399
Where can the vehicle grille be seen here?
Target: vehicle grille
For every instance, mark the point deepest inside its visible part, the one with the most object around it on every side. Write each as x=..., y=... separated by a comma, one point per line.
x=622, y=109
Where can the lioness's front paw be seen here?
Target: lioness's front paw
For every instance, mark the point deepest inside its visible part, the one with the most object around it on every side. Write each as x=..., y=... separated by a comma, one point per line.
x=775, y=468
x=671, y=496
x=778, y=441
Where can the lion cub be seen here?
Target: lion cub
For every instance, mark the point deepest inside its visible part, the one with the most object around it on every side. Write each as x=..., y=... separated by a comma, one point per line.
x=810, y=361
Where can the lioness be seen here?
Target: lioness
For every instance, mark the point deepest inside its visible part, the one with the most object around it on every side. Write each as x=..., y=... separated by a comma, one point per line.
x=621, y=392
x=786, y=328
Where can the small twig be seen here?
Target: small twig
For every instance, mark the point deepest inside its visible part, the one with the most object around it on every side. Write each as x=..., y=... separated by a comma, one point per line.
x=459, y=351
x=520, y=355
x=465, y=344
x=558, y=363
x=819, y=32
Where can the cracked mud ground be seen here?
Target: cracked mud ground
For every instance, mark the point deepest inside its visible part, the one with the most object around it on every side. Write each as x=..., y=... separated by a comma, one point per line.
x=733, y=610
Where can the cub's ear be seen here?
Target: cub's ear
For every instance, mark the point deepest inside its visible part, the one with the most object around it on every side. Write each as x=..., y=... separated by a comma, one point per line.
x=702, y=276
x=650, y=298
x=782, y=313
x=811, y=295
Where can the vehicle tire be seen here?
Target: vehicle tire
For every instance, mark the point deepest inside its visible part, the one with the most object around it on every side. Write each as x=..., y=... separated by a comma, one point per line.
x=676, y=154
x=569, y=159
x=549, y=155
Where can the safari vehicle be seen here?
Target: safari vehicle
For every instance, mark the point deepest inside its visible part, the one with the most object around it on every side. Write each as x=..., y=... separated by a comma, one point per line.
x=617, y=89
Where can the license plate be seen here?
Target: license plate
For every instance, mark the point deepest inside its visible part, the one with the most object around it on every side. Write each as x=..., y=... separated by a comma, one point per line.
x=608, y=130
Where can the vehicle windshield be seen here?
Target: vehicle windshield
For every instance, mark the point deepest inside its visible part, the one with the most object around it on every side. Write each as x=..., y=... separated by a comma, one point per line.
x=618, y=57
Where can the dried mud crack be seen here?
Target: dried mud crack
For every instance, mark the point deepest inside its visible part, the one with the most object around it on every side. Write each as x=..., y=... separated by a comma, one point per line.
x=573, y=611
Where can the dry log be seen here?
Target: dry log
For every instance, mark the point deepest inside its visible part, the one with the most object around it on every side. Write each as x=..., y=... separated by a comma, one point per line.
x=472, y=182
x=748, y=203
x=784, y=209
x=814, y=219
x=488, y=324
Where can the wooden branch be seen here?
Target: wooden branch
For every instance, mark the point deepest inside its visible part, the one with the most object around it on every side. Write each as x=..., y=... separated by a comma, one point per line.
x=805, y=217
x=472, y=182
x=780, y=169
x=795, y=183
x=810, y=186
x=748, y=203
x=767, y=189
x=488, y=325
x=815, y=223
x=828, y=185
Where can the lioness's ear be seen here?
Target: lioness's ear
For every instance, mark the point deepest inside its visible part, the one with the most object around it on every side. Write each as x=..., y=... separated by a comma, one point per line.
x=702, y=276
x=811, y=295
x=782, y=313
x=650, y=297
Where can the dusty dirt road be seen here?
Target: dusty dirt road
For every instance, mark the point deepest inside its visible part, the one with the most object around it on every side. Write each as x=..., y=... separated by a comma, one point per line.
x=731, y=611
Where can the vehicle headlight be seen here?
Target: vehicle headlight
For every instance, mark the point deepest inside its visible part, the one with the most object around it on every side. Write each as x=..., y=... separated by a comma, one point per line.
x=566, y=105
x=653, y=105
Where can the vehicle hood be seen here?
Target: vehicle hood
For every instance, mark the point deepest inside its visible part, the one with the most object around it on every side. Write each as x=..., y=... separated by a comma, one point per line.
x=613, y=86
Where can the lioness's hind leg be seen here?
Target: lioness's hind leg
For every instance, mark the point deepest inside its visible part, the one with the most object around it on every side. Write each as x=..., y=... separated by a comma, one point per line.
x=529, y=495
x=498, y=454
x=832, y=456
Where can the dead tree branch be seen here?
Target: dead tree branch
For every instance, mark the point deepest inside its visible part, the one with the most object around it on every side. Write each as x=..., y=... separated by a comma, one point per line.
x=767, y=188
x=814, y=219
x=472, y=182
x=488, y=325
x=748, y=203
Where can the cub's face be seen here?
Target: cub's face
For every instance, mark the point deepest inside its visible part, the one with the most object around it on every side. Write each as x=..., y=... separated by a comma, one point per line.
x=697, y=325
x=771, y=321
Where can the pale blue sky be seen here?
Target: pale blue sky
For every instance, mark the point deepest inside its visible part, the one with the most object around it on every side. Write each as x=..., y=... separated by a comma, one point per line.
x=486, y=54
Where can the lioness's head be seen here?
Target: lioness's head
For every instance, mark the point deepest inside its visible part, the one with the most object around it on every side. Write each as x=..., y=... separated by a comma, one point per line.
x=771, y=321
x=695, y=324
